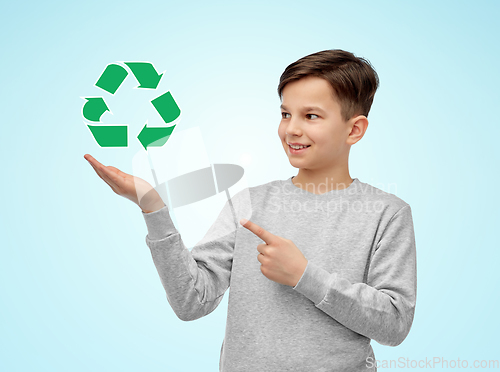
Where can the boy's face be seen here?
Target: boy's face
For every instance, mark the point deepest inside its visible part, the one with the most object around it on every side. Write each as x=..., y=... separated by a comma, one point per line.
x=322, y=128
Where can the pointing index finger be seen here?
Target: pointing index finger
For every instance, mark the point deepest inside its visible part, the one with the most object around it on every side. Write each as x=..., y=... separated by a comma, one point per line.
x=257, y=230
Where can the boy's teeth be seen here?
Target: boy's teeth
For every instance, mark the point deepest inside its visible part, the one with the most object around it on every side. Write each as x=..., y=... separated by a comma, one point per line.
x=297, y=147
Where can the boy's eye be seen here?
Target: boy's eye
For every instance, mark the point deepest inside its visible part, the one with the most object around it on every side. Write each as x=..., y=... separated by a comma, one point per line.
x=283, y=115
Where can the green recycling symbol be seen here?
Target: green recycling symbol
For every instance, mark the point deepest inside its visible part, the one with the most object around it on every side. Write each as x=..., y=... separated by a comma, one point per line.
x=116, y=135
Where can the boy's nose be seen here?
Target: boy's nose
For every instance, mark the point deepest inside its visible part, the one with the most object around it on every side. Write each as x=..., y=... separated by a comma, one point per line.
x=293, y=128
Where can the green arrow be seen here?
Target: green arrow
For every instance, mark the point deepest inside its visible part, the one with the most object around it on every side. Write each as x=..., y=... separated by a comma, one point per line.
x=166, y=107
x=94, y=108
x=112, y=77
x=154, y=136
x=145, y=74
x=109, y=135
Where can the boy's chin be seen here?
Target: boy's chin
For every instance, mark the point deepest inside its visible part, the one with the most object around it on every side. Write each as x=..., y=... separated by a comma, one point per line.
x=296, y=164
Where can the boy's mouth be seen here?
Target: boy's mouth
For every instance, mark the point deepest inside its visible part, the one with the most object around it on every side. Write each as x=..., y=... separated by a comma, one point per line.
x=297, y=149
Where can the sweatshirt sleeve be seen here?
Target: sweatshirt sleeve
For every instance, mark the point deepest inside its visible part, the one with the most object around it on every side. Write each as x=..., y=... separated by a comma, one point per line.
x=194, y=281
x=383, y=308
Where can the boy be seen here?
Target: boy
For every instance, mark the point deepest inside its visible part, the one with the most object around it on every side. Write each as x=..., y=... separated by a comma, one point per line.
x=326, y=262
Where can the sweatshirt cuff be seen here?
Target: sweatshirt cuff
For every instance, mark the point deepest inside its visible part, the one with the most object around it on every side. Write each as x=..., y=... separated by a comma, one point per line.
x=159, y=224
x=314, y=283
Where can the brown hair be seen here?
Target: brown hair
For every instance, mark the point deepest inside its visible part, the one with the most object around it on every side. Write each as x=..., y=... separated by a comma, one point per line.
x=353, y=79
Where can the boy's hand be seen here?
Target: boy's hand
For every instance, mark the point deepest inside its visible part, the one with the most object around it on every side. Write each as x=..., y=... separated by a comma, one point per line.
x=133, y=188
x=281, y=260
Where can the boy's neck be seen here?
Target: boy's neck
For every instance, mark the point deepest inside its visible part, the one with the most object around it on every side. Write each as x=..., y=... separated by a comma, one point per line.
x=320, y=183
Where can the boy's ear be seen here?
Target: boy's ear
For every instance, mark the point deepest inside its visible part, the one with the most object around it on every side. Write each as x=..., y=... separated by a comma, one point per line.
x=358, y=126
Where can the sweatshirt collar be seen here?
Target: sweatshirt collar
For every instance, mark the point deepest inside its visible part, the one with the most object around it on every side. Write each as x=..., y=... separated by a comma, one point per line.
x=351, y=189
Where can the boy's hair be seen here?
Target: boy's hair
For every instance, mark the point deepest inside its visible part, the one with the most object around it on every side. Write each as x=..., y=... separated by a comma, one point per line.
x=353, y=79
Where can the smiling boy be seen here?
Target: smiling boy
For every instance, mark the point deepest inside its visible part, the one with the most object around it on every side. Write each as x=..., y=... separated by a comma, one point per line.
x=312, y=117
x=326, y=263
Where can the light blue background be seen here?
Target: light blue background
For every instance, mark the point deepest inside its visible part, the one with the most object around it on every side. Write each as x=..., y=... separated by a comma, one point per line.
x=79, y=290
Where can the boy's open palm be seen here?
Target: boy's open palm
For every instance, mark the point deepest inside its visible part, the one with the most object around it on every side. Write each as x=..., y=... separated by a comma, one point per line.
x=133, y=188
x=281, y=260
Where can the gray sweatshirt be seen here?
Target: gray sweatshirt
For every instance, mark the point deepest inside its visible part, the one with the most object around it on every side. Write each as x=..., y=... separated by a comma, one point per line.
x=359, y=283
